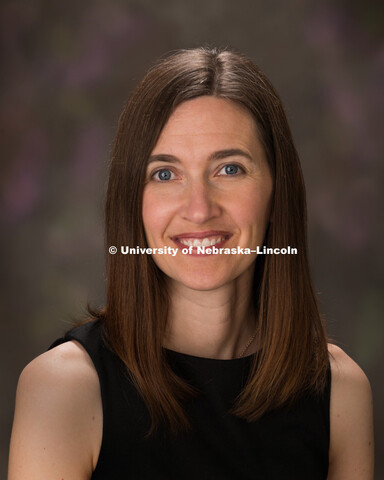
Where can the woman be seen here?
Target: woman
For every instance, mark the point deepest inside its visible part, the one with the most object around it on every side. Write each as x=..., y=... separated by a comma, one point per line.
x=203, y=364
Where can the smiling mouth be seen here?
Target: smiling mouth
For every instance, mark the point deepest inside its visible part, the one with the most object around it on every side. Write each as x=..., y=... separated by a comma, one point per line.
x=205, y=242
x=202, y=240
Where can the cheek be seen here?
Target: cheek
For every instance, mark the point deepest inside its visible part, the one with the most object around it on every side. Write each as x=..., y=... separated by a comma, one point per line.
x=253, y=207
x=149, y=215
x=155, y=214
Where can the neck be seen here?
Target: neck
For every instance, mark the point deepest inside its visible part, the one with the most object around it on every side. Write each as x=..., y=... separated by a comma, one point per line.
x=213, y=324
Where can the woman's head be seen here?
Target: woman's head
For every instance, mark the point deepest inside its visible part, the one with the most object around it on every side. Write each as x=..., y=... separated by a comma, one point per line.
x=186, y=75
x=135, y=316
x=208, y=184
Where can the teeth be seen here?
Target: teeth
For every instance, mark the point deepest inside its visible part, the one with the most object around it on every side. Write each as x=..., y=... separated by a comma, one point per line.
x=198, y=243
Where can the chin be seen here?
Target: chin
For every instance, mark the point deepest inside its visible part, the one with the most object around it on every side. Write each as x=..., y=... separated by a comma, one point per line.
x=204, y=281
x=205, y=285
x=208, y=278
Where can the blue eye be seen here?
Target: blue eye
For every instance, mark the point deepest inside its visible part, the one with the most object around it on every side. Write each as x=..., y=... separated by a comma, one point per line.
x=163, y=175
x=231, y=169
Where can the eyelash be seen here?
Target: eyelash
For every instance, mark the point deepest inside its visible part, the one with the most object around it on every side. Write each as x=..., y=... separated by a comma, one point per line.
x=241, y=169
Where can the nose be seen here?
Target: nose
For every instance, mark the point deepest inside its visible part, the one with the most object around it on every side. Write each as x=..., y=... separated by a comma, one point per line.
x=200, y=202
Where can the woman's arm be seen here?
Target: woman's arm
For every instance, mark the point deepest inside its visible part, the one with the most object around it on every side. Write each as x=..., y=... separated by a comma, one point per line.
x=351, y=454
x=57, y=427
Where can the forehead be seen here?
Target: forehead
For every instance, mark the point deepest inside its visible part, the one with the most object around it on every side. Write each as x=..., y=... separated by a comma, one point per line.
x=206, y=117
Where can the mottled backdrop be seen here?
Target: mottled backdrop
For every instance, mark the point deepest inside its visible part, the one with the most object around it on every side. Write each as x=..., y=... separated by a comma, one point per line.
x=67, y=68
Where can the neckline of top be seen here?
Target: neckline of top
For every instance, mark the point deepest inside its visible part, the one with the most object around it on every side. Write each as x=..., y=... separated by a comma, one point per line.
x=208, y=359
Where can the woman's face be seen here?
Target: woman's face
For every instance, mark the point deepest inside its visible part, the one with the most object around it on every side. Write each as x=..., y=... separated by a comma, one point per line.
x=208, y=183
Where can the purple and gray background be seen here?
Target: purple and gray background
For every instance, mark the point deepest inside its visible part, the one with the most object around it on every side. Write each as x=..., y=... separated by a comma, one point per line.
x=66, y=70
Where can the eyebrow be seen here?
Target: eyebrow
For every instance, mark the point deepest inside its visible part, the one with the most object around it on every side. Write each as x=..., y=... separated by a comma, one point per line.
x=219, y=155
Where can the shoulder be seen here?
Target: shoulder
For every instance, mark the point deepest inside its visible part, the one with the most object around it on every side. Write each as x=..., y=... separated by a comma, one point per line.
x=351, y=412
x=346, y=373
x=66, y=371
x=68, y=362
x=58, y=414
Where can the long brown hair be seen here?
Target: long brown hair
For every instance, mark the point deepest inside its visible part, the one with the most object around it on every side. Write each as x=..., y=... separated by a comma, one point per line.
x=294, y=357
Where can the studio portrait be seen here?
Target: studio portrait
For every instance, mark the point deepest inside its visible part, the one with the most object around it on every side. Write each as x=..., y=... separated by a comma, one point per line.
x=192, y=271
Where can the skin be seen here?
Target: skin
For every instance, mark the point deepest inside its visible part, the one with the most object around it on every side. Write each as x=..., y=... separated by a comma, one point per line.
x=57, y=428
x=351, y=452
x=210, y=295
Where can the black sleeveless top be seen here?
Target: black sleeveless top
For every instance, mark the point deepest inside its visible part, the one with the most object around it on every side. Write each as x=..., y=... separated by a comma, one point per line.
x=282, y=445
